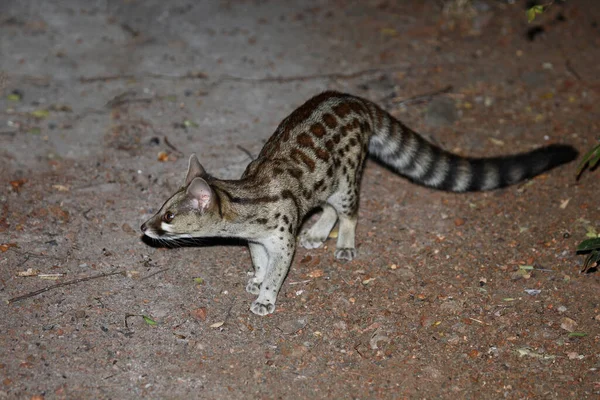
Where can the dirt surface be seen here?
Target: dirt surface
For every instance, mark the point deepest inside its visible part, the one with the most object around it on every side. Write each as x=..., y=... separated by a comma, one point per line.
x=452, y=296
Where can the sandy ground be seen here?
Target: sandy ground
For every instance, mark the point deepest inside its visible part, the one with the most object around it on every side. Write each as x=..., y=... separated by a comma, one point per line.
x=451, y=296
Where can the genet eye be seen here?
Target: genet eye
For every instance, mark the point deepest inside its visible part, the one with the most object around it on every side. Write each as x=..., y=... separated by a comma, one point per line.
x=168, y=217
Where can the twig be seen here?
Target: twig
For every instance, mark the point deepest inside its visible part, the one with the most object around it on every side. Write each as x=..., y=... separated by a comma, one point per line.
x=104, y=78
x=229, y=310
x=572, y=70
x=330, y=75
x=299, y=282
x=268, y=79
x=247, y=152
x=154, y=273
x=171, y=146
x=74, y=281
x=422, y=97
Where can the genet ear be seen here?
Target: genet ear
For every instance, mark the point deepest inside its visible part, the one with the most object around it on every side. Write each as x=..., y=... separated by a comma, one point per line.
x=200, y=192
x=195, y=170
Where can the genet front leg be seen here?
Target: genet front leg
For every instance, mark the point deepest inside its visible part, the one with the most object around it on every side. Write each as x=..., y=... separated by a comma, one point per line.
x=280, y=252
x=260, y=261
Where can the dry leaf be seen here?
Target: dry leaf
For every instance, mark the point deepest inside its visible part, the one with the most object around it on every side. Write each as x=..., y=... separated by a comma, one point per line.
x=200, y=313
x=317, y=273
x=28, y=272
x=61, y=188
x=568, y=324
x=163, y=156
x=5, y=246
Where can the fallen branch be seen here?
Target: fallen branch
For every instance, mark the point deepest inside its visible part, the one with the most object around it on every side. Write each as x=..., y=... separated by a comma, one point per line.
x=225, y=78
x=104, y=78
x=421, y=97
x=330, y=75
x=154, y=273
x=175, y=149
x=247, y=152
x=74, y=281
x=229, y=310
x=572, y=70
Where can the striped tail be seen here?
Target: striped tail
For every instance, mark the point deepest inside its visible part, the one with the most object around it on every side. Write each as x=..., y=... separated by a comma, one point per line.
x=412, y=156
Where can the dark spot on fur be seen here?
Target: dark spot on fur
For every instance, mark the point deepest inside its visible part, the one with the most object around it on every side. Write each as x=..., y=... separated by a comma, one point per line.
x=341, y=110
x=305, y=110
x=318, y=130
x=299, y=155
x=296, y=173
x=329, y=145
x=358, y=108
x=318, y=185
x=254, y=200
x=322, y=154
x=286, y=219
x=330, y=120
x=379, y=114
x=305, y=140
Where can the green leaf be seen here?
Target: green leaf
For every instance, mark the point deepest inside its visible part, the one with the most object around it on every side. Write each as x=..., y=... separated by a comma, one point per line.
x=538, y=9
x=591, y=231
x=149, y=320
x=40, y=113
x=577, y=334
x=13, y=97
x=533, y=11
x=187, y=123
x=591, y=155
x=589, y=245
x=592, y=259
x=595, y=160
x=526, y=267
x=530, y=15
x=199, y=280
x=35, y=131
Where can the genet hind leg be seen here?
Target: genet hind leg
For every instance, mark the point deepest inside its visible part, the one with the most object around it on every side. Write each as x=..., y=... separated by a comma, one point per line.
x=318, y=233
x=346, y=205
